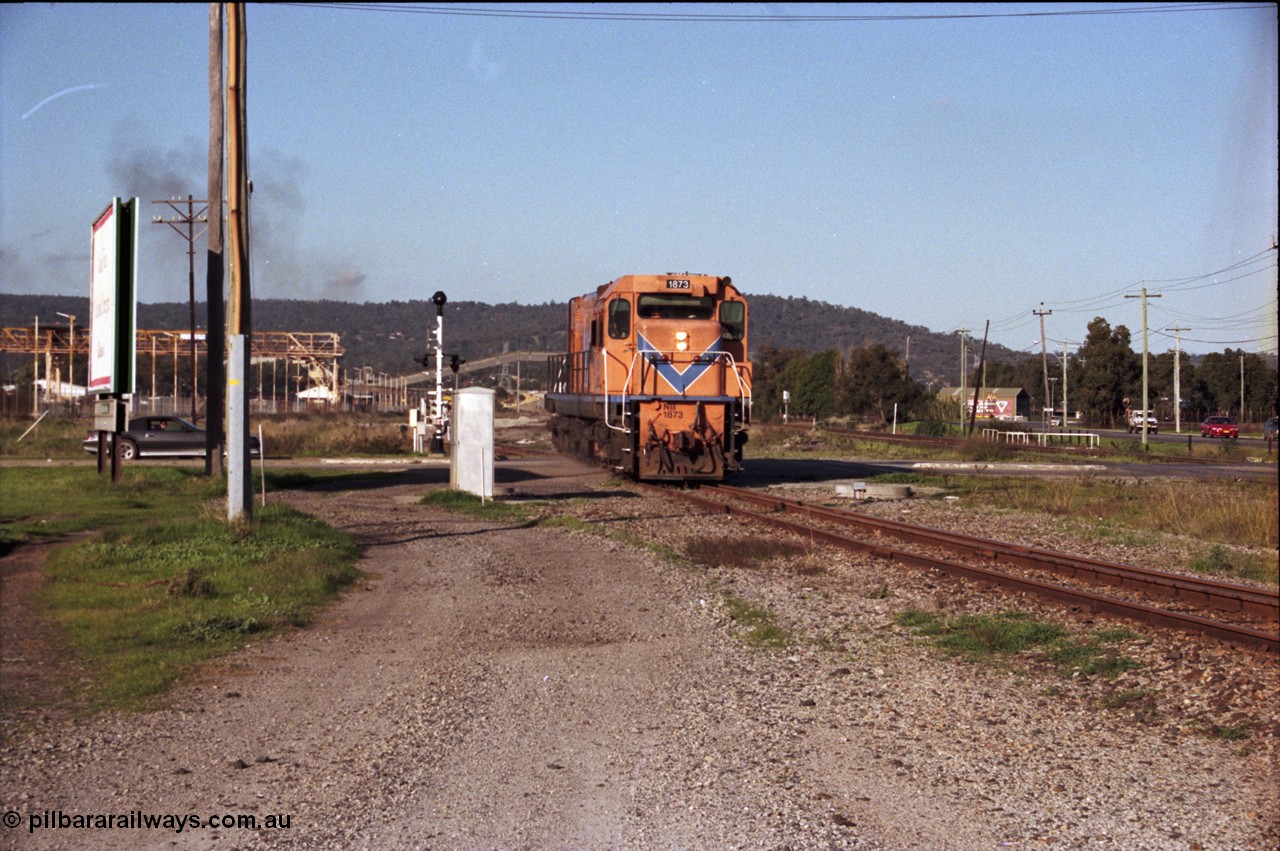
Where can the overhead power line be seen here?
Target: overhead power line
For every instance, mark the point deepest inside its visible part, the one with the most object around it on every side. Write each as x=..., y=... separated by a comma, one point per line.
x=565, y=14
x=1270, y=339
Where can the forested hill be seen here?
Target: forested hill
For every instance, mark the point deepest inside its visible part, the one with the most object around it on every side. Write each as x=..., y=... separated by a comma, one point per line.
x=391, y=336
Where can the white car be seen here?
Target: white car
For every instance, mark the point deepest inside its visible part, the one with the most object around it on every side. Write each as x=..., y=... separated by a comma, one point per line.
x=1135, y=422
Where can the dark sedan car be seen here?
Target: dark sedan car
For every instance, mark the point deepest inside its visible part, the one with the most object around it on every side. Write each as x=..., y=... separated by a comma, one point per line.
x=161, y=437
x=1219, y=427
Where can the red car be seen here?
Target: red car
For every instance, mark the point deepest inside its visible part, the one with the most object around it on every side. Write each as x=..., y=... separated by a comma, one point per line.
x=1219, y=427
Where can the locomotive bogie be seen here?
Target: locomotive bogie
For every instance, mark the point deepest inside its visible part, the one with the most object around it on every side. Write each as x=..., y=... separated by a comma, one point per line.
x=656, y=381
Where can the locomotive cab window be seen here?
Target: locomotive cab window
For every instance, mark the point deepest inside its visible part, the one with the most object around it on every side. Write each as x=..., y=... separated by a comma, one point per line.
x=733, y=320
x=619, y=319
x=671, y=306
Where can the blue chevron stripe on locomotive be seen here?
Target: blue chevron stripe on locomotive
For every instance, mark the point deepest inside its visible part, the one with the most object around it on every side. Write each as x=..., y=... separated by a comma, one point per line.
x=681, y=379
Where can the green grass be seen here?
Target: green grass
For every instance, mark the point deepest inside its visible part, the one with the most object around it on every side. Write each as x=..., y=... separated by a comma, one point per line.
x=142, y=605
x=1232, y=732
x=44, y=502
x=760, y=626
x=51, y=437
x=463, y=502
x=988, y=638
x=1218, y=560
x=163, y=583
x=1141, y=702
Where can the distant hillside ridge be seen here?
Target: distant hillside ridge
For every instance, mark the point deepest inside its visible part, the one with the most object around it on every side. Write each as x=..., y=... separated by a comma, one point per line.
x=391, y=336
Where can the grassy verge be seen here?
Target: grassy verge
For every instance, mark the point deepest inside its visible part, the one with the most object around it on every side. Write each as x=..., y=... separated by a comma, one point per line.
x=284, y=435
x=43, y=502
x=51, y=437
x=165, y=583
x=773, y=441
x=1221, y=515
x=336, y=435
x=1220, y=518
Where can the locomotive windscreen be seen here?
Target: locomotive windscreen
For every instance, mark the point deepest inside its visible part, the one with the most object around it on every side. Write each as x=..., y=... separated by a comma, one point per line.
x=672, y=306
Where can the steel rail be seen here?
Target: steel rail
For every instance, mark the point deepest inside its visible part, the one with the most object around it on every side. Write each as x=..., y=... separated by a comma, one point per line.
x=1227, y=596
x=1097, y=602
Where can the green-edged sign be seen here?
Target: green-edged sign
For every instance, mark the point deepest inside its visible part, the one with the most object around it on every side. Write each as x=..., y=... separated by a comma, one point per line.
x=113, y=298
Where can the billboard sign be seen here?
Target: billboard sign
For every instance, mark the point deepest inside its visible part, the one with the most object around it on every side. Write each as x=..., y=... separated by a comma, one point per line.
x=989, y=407
x=113, y=273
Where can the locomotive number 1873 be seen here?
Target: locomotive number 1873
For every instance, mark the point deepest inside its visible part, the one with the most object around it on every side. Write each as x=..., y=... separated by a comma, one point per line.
x=677, y=284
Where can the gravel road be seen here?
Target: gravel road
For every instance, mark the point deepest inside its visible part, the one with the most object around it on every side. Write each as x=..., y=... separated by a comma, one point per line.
x=503, y=685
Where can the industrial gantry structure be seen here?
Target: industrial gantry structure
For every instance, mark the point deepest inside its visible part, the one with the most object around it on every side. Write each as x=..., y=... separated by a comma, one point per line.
x=315, y=354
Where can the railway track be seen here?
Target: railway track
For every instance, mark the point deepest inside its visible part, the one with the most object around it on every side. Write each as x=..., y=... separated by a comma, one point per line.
x=866, y=534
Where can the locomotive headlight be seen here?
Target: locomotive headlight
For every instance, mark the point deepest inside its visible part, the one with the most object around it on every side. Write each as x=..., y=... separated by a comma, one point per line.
x=682, y=341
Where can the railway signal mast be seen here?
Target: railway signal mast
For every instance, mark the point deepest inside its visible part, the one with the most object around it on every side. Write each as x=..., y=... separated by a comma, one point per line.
x=436, y=337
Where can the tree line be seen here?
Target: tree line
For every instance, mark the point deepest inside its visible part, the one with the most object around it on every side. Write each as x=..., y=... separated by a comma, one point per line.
x=834, y=361
x=1103, y=380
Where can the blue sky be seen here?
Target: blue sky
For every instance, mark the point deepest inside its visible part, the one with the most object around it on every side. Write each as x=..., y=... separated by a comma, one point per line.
x=937, y=169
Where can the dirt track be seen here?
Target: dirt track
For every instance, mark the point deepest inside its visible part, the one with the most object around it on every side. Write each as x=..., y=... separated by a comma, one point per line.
x=493, y=685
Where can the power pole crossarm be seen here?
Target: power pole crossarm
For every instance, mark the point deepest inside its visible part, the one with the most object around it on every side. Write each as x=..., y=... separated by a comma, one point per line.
x=189, y=219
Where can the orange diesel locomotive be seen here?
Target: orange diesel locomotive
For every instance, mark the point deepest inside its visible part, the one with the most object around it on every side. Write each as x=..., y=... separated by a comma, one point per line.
x=656, y=381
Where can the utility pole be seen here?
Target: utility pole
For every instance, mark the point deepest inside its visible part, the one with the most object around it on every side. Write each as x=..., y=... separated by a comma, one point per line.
x=190, y=219
x=239, y=471
x=1044, y=365
x=1064, y=343
x=964, y=368
x=71, y=361
x=982, y=366
x=1064, y=384
x=1242, y=386
x=35, y=371
x=216, y=404
x=1146, y=409
x=1177, y=377
x=906, y=361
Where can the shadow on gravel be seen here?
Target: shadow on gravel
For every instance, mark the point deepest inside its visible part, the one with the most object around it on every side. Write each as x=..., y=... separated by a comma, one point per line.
x=351, y=480
x=364, y=480
x=764, y=471
x=434, y=535
x=542, y=496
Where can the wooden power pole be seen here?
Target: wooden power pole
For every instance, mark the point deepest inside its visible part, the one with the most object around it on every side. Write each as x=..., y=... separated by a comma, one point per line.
x=1044, y=366
x=239, y=470
x=215, y=384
